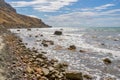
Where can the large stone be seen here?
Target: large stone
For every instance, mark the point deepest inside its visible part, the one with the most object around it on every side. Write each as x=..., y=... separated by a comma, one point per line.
x=58, y=33
x=74, y=75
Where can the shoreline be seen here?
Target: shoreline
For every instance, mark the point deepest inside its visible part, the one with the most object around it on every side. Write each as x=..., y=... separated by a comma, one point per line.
x=28, y=65
x=25, y=64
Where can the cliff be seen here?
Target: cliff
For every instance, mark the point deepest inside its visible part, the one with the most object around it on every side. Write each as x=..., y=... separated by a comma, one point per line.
x=9, y=18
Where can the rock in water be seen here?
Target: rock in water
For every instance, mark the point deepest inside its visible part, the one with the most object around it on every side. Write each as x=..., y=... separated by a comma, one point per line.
x=74, y=75
x=72, y=47
x=57, y=33
x=107, y=61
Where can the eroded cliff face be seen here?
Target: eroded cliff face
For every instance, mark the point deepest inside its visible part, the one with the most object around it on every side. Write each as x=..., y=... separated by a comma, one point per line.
x=9, y=18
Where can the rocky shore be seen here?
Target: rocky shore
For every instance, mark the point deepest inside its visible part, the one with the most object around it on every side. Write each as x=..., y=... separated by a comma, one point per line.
x=24, y=64
x=20, y=63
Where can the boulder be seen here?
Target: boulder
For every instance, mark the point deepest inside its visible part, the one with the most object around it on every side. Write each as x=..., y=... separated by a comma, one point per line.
x=74, y=75
x=58, y=33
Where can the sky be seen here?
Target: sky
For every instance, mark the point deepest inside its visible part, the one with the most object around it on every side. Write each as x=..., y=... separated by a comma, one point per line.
x=71, y=13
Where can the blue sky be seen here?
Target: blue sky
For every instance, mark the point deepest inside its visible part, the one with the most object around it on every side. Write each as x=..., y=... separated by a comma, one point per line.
x=72, y=13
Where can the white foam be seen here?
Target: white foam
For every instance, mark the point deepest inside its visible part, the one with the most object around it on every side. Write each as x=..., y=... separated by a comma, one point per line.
x=67, y=38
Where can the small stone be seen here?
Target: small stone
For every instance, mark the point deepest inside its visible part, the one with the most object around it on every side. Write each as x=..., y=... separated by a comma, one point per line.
x=39, y=70
x=41, y=35
x=44, y=78
x=36, y=36
x=51, y=68
x=29, y=69
x=18, y=30
x=107, y=61
x=83, y=51
x=116, y=39
x=39, y=56
x=39, y=59
x=57, y=33
x=29, y=29
x=102, y=44
x=74, y=75
x=45, y=71
x=30, y=35
x=45, y=45
x=109, y=78
x=72, y=47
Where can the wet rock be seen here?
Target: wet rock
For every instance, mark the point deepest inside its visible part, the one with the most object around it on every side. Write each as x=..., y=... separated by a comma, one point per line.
x=44, y=52
x=18, y=30
x=29, y=29
x=41, y=35
x=45, y=45
x=116, y=39
x=107, y=61
x=109, y=78
x=58, y=33
x=30, y=35
x=102, y=44
x=48, y=42
x=87, y=76
x=26, y=43
x=45, y=71
x=83, y=51
x=36, y=36
x=72, y=47
x=61, y=29
x=60, y=65
x=74, y=75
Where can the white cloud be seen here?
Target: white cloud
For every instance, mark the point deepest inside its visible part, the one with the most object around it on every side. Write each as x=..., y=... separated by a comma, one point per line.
x=104, y=7
x=86, y=18
x=99, y=8
x=44, y=5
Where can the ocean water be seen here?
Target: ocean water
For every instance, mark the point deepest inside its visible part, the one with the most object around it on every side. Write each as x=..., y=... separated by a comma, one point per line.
x=98, y=44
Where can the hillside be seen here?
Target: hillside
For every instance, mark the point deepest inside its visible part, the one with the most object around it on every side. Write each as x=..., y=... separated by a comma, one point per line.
x=9, y=18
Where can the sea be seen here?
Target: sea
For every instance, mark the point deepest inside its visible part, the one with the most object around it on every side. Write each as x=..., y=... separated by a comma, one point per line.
x=93, y=45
